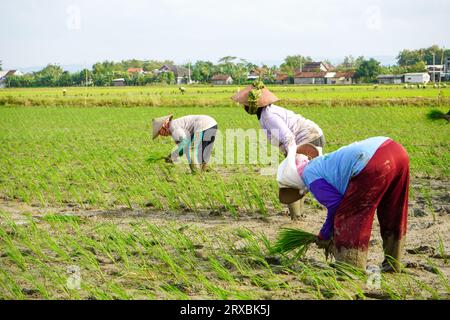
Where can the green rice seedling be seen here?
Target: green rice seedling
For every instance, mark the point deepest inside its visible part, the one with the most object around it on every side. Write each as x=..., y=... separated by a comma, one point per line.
x=441, y=249
x=290, y=239
x=9, y=287
x=61, y=218
x=258, y=199
x=441, y=276
x=212, y=288
x=221, y=272
x=174, y=291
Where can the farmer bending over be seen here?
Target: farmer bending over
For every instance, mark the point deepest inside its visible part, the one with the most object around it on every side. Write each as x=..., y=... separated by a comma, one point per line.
x=352, y=183
x=283, y=127
x=194, y=135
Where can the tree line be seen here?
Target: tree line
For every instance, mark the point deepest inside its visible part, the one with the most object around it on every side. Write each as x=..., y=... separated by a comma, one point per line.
x=103, y=73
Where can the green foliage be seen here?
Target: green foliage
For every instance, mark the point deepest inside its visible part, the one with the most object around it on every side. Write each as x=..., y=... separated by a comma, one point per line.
x=104, y=72
x=350, y=63
x=411, y=57
x=202, y=71
x=368, y=70
x=293, y=239
x=254, y=95
x=291, y=63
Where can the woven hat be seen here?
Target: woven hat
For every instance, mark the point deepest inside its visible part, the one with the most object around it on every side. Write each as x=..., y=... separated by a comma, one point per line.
x=157, y=124
x=263, y=95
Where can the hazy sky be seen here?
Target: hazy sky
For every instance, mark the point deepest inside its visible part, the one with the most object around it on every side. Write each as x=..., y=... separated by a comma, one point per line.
x=37, y=32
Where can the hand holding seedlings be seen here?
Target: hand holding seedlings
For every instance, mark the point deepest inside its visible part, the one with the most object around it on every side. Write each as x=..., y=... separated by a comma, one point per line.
x=373, y=176
x=193, y=134
x=168, y=159
x=328, y=245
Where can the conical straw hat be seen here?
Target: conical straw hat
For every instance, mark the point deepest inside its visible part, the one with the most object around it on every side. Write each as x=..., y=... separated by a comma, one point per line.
x=266, y=98
x=158, y=123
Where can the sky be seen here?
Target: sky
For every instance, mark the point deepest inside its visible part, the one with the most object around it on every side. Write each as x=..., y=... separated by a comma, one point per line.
x=81, y=32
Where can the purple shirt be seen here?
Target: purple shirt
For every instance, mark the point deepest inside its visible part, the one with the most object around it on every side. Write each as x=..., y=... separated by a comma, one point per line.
x=285, y=128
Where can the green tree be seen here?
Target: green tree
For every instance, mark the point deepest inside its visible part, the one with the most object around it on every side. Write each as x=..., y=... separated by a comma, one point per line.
x=151, y=65
x=82, y=78
x=350, y=63
x=49, y=76
x=149, y=77
x=166, y=77
x=439, y=54
x=27, y=80
x=368, y=70
x=226, y=65
x=106, y=67
x=292, y=63
x=65, y=80
x=227, y=60
x=417, y=67
x=132, y=63
x=202, y=71
x=235, y=67
x=239, y=72
x=411, y=57
x=1, y=65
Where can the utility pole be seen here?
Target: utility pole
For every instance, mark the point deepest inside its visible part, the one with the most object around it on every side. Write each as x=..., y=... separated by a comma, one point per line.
x=434, y=68
x=189, y=72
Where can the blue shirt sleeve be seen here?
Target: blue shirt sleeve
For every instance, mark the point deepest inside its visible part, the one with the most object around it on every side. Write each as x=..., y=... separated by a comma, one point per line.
x=330, y=197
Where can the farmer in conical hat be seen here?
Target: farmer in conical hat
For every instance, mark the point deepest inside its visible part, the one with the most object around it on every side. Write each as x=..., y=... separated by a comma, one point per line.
x=352, y=183
x=284, y=128
x=193, y=134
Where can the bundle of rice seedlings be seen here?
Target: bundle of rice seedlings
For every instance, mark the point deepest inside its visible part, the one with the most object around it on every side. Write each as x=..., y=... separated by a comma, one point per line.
x=435, y=114
x=293, y=239
x=155, y=157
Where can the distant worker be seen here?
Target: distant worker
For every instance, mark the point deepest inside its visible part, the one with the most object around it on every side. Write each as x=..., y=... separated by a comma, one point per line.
x=284, y=128
x=352, y=183
x=194, y=135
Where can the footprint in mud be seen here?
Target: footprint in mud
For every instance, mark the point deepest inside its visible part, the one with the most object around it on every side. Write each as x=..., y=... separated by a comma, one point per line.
x=378, y=295
x=275, y=261
x=417, y=212
x=29, y=291
x=421, y=250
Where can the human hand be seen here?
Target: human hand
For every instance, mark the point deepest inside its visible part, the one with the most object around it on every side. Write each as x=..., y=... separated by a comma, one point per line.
x=168, y=159
x=327, y=245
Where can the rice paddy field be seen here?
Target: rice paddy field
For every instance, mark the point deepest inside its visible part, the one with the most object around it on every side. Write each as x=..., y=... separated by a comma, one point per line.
x=88, y=210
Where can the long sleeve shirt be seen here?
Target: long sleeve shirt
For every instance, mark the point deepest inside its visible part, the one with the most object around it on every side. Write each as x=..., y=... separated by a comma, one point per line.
x=327, y=176
x=285, y=128
x=183, y=130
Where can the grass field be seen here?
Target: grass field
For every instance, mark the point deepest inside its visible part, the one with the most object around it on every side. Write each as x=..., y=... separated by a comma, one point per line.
x=206, y=96
x=81, y=186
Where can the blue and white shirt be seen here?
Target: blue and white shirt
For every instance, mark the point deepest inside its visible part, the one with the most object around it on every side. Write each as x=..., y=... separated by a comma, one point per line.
x=327, y=176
